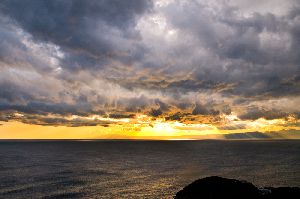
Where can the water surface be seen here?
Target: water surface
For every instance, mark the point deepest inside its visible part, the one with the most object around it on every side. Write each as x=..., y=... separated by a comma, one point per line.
x=139, y=169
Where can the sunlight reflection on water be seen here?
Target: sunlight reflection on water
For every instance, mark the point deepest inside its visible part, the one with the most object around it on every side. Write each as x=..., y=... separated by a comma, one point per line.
x=139, y=169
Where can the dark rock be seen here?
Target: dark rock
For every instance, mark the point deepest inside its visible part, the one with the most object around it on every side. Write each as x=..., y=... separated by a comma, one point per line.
x=218, y=187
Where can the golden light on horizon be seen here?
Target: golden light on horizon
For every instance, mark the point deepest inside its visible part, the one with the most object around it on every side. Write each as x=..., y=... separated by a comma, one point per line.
x=141, y=127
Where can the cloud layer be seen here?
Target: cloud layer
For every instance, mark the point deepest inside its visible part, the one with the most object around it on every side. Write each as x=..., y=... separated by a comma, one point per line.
x=187, y=61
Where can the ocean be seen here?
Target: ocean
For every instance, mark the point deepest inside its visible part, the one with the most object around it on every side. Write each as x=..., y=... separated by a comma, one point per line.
x=139, y=169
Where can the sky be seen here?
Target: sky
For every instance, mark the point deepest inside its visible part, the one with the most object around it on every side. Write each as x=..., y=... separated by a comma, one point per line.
x=161, y=69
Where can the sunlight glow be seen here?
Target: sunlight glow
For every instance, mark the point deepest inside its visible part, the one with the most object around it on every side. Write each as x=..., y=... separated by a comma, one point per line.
x=141, y=127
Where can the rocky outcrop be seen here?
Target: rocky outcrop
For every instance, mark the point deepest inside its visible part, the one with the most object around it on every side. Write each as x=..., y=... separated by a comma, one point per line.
x=217, y=187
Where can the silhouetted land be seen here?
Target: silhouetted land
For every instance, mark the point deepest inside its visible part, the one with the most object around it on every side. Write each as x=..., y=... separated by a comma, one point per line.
x=217, y=187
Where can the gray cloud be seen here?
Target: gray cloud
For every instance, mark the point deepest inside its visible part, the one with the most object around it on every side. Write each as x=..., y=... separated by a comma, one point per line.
x=203, y=110
x=251, y=49
x=92, y=33
x=185, y=58
x=56, y=120
x=254, y=113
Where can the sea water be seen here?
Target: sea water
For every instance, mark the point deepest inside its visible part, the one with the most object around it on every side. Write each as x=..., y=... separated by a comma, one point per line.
x=139, y=169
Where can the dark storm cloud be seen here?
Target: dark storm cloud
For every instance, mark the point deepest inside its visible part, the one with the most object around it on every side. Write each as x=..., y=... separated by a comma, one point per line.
x=57, y=120
x=8, y=41
x=86, y=30
x=177, y=116
x=246, y=55
x=121, y=115
x=181, y=60
x=46, y=108
x=10, y=93
x=254, y=113
x=156, y=112
x=204, y=110
x=252, y=49
x=162, y=106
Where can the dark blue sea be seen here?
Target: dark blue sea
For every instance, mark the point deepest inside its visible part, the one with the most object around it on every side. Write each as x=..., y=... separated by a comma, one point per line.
x=139, y=169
